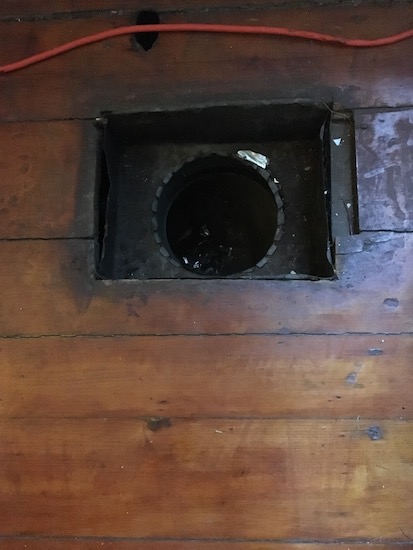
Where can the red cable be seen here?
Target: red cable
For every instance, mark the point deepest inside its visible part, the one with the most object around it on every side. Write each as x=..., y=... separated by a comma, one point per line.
x=197, y=27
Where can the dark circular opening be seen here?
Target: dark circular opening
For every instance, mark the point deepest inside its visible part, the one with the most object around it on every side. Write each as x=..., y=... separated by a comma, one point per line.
x=217, y=216
x=146, y=39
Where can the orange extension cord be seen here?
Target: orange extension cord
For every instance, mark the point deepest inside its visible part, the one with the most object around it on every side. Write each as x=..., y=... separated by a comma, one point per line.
x=197, y=27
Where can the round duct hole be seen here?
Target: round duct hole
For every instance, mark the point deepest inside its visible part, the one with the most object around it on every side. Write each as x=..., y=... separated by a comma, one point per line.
x=217, y=216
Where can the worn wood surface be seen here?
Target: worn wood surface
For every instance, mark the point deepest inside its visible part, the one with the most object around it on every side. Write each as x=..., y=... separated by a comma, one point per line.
x=47, y=188
x=214, y=478
x=385, y=170
x=214, y=415
x=77, y=8
x=105, y=543
x=49, y=288
x=192, y=69
x=234, y=376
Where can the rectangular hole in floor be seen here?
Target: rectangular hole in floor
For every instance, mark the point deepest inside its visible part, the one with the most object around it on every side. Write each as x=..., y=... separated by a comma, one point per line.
x=226, y=191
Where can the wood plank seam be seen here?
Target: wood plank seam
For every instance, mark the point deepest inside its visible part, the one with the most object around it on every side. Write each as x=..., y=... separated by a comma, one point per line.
x=72, y=14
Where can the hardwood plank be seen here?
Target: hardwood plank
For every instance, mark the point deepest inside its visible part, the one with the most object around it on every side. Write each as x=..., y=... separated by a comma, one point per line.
x=121, y=464
x=184, y=70
x=37, y=8
x=263, y=479
x=385, y=170
x=47, y=186
x=250, y=376
x=55, y=544
x=49, y=289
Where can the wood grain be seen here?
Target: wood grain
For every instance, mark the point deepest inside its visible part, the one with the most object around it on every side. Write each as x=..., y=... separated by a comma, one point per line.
x=184, y=70
x=216, y=478
x=234, y=376
x=76, y=544
x=49, y=289
x=77, y=8
x=105, y=543
x=205, y=415
x=47, y=172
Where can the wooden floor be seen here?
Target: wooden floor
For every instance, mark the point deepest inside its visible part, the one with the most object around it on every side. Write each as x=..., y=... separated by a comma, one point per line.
x=193, y=414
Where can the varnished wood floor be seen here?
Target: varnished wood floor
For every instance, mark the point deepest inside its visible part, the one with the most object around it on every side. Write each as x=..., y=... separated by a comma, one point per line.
x=206, y=415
